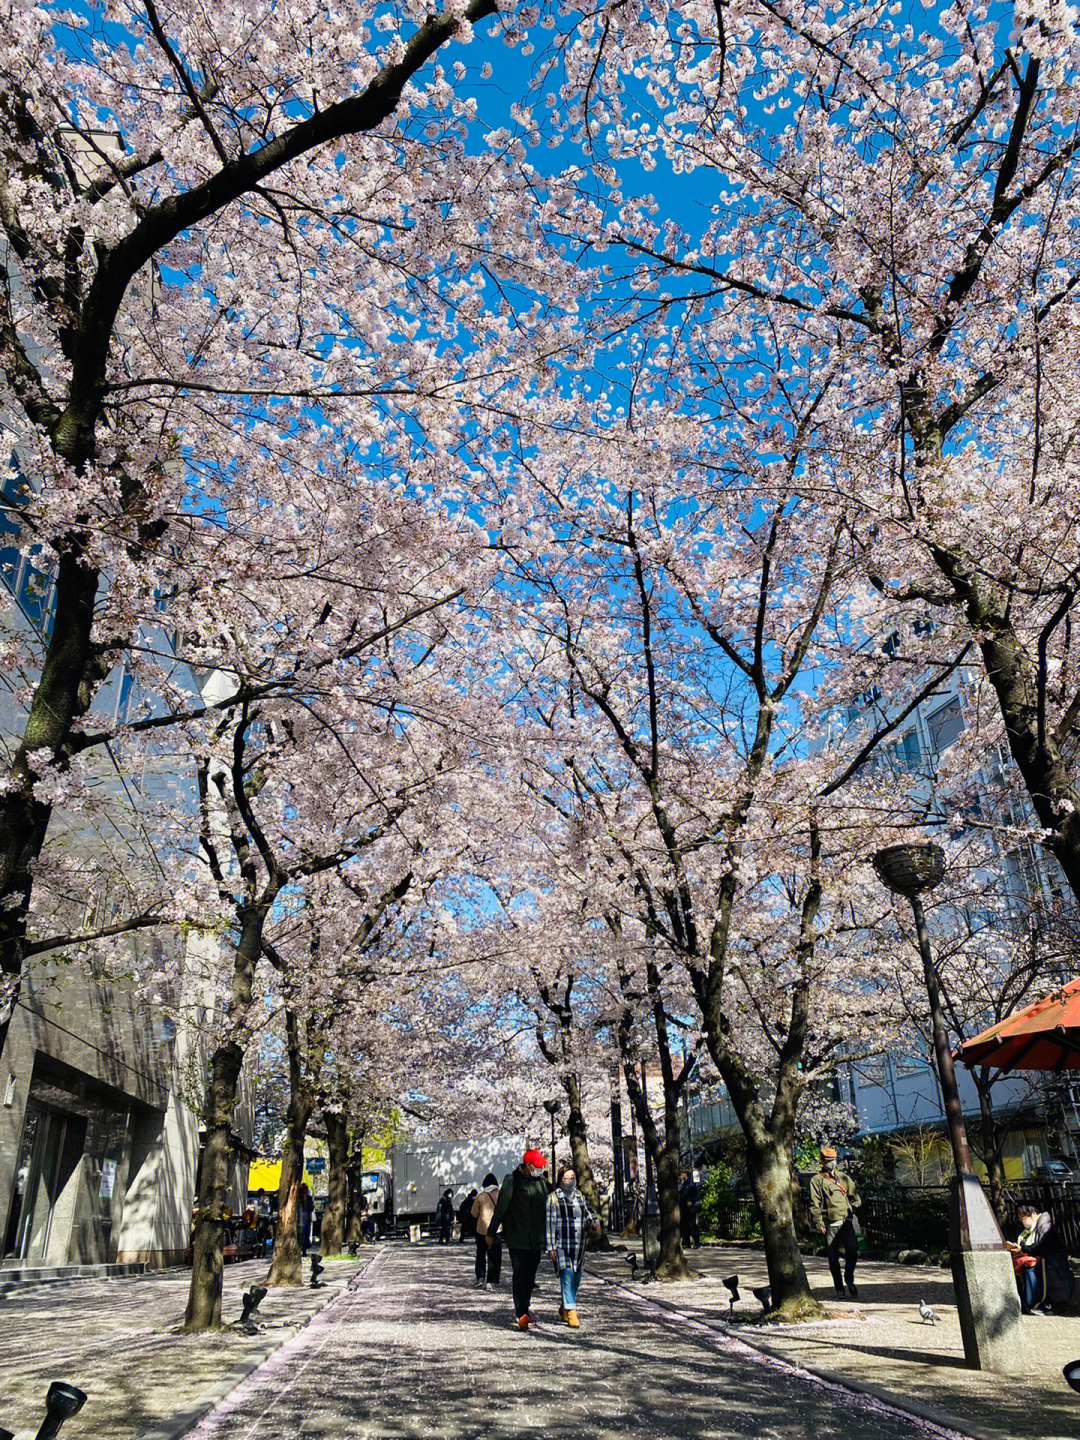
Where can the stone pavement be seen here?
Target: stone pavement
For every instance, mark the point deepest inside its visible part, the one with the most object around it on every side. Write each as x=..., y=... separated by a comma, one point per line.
x=879, y=1341
x=412, y=1351
x=114, y=1339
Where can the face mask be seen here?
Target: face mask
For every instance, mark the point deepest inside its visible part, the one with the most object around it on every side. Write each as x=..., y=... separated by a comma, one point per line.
x=568, y=1182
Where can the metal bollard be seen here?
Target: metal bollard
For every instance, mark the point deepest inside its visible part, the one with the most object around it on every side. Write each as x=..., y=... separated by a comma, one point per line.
x=62, y=1401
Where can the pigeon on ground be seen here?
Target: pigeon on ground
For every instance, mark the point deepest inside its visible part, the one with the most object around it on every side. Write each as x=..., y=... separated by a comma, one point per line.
x=928, y=1316
x=764, y=1294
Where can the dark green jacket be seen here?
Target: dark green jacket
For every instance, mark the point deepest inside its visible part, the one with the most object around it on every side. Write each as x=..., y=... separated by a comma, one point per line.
x=832, y=1198
x=521, y=1213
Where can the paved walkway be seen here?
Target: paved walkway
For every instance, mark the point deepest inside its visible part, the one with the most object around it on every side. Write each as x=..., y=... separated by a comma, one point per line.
x=879, y=1341
x=412, y=1351
x=115, y=1339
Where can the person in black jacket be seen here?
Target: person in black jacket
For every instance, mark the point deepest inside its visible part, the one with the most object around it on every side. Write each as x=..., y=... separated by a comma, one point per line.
x=521, y=1215
x=690, y=1209
x=465, y=1217
x=444, y=1214
x=1049, y=1281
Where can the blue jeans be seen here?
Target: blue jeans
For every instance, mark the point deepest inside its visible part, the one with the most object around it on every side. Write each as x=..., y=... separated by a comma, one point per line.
x=1029, y=1280
x=570, y=1280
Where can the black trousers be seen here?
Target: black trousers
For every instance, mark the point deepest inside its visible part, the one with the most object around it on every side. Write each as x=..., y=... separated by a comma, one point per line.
x=692, y=1226
x=488, y=1262
x=524, y=1264
x=846, y=1241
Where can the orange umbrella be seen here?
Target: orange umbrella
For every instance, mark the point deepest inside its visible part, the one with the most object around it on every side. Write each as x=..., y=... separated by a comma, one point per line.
x=1045, y=1036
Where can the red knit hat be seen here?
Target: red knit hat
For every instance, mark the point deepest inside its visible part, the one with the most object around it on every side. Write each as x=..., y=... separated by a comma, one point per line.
x=534, y=1157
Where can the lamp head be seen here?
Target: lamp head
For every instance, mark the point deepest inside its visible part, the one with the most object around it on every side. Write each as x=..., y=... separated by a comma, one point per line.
x=731, y=1284
x=1072, y=1374
x=910, y=869
x=64, y=1400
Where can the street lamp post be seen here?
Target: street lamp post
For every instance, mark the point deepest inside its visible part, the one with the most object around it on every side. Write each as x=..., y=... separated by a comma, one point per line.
x=552, y=1107
x=618, y=1200
x=986, y=1295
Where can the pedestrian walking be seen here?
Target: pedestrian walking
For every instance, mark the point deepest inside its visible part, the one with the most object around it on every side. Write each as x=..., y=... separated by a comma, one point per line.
x=305, y=1209
x=488, y=1259
x=833, y=1202
x=466, y=1223
x=1044, y=1276
x=444, y=1214
x=568, y=1219
x=690, y=1209
x=521, y=1215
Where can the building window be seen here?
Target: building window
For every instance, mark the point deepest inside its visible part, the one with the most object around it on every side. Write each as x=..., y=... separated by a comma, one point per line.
x=945, y=725
x=912, y=750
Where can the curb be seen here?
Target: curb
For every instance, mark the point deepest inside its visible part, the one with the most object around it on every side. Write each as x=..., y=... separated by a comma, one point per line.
x=944, y=1424
x=255, y=1360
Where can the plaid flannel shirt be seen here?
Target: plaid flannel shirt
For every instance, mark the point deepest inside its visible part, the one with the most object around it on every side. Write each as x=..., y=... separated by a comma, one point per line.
x=568, y=1218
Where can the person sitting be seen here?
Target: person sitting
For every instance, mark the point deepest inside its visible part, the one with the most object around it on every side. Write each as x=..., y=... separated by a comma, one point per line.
x=1044, y=1276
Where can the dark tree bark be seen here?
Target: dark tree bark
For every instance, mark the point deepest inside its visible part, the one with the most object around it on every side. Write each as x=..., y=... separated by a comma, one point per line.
x=579, y=1153
x=286, y=1264
x=665, y=1157
x=332, y=1240
x=991, y=1146
x=204, y=1298
x=354, y=1175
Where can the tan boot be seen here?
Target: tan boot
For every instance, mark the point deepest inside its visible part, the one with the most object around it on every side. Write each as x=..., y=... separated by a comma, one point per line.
x=562, y=1312
x=572, y=1320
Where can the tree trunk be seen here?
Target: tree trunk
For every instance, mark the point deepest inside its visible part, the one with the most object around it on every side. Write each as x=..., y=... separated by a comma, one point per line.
x=672, y=1262
x=333, y=1224
x=353, y=1232
x=1033, y=742
x=204, y=1297
x=579, y=1153
x=992, y=1137
x=286, y=1267
x=769, y=1164
x=70, y=676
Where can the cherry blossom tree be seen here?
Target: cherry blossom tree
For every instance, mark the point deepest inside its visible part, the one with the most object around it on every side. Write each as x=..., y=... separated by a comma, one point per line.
x=887, y=205
x=214, y=226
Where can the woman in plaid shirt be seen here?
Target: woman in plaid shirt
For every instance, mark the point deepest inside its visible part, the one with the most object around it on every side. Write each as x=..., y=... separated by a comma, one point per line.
x=568, y=1217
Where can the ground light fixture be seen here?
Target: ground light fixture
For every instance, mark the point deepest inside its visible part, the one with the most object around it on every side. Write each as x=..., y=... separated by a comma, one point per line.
x=62, y=1401
x=251, y=1300
x=764, y=1294
x=1071, y=1371
x=731, y=1285
x=317, y=1268
x=987, y=1301
x=7, y=1435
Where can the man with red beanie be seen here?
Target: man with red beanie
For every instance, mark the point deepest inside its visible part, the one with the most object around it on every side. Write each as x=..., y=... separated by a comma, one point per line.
x=521, y=1215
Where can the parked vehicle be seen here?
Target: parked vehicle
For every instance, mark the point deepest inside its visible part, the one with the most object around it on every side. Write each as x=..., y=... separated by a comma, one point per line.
x=377, y=1187
x=1055, y=1169
x=421, y=1170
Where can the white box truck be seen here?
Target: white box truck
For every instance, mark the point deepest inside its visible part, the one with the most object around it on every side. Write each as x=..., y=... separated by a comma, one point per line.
x=421, y=1171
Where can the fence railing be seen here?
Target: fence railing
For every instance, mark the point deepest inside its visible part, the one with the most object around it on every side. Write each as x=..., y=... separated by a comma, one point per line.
x=917, y=1216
